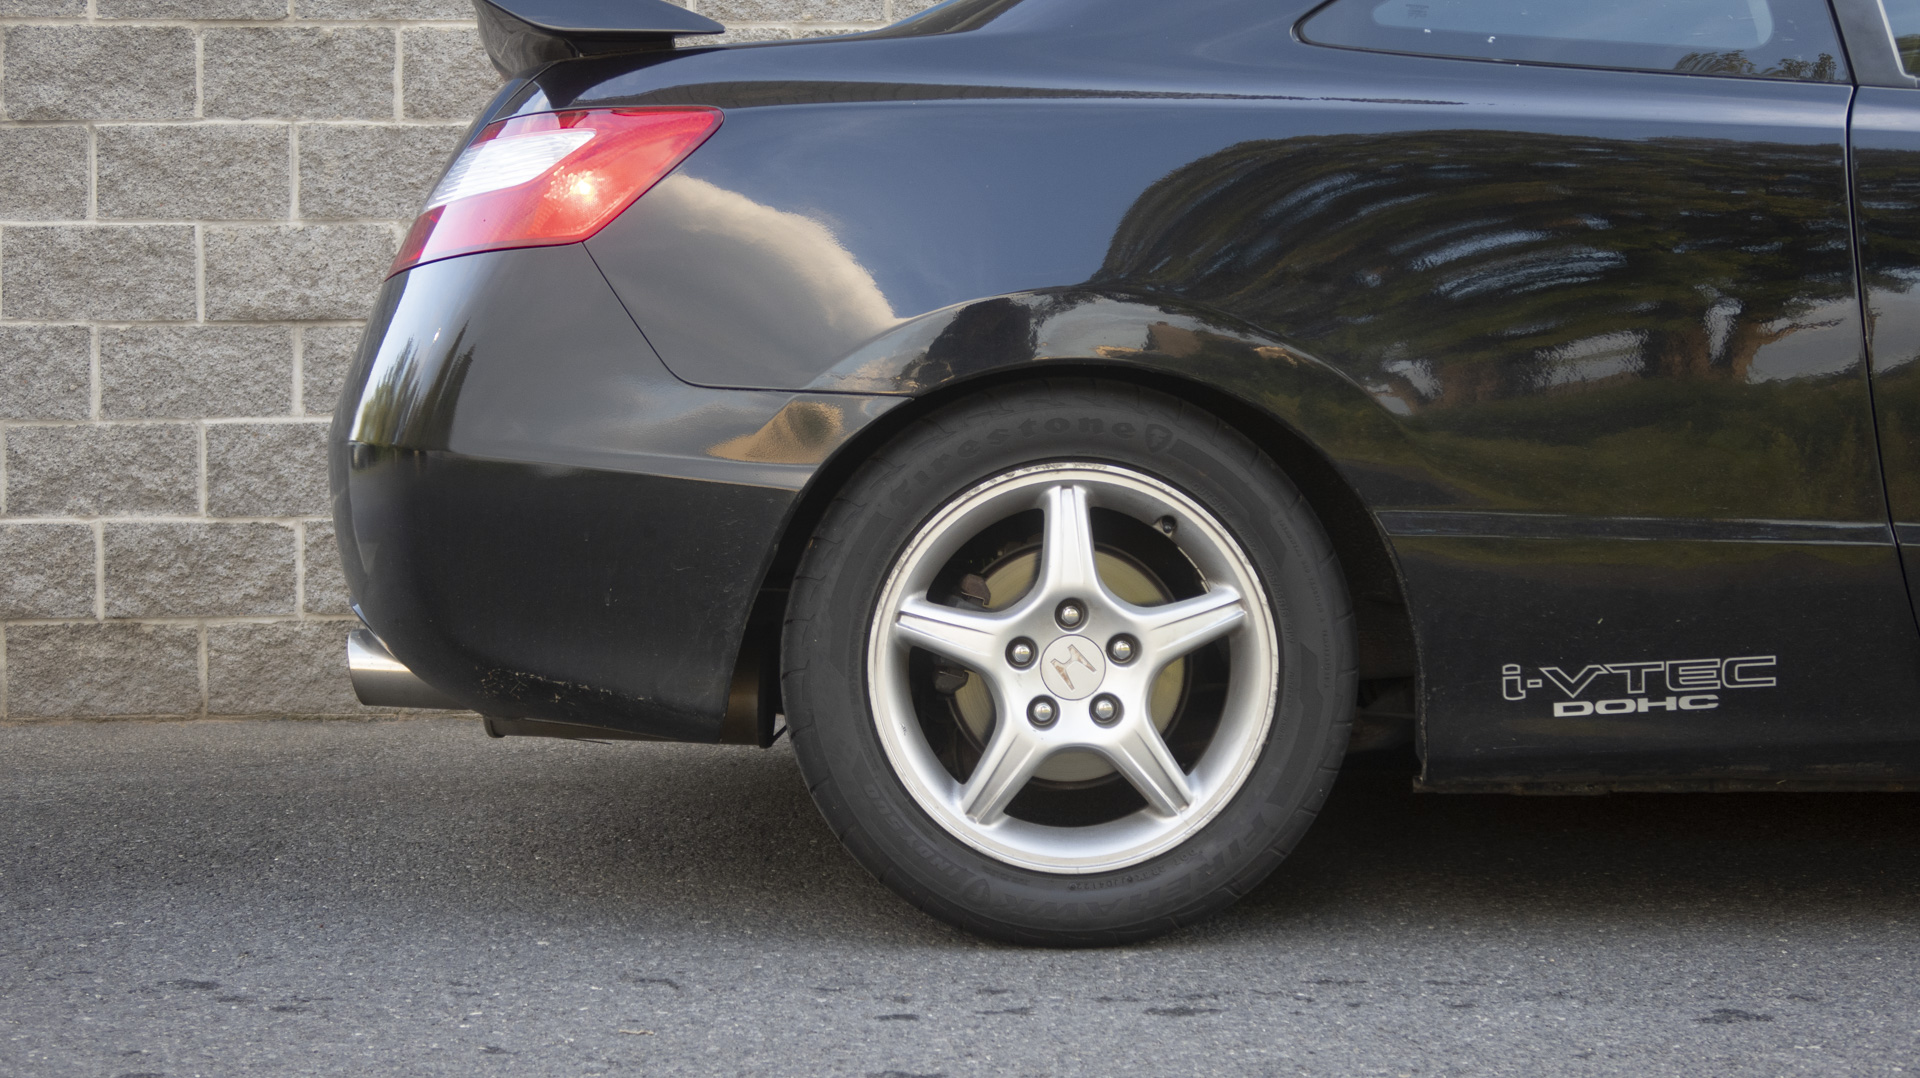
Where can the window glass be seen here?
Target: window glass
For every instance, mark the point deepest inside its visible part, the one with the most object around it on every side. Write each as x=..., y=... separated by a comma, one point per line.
x=1904, y=17
x=1772, y=39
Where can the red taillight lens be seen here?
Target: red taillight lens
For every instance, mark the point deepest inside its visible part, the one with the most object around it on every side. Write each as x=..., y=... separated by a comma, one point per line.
x=551, y=178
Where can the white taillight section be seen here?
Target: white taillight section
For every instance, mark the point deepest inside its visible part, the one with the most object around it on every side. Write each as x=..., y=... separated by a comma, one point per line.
x=550, y=178
x=505, y=162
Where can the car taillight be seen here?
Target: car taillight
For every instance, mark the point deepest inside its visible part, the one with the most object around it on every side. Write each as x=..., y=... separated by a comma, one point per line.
x=551, y=178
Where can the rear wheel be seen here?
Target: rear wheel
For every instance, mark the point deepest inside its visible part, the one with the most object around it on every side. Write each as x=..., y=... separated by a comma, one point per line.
x=1072, y=664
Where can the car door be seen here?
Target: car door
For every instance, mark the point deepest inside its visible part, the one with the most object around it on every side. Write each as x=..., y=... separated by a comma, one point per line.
x=1884, y=38
x=1616, y=313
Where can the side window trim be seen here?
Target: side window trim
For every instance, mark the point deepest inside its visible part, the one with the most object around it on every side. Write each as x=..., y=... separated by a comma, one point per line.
x=1867, y=36
x=1845, y=22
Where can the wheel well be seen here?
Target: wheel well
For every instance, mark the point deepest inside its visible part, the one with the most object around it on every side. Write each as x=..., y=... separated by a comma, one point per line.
x=1383, y=624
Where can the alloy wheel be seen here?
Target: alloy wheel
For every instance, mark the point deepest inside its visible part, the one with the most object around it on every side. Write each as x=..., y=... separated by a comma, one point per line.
x=1086, y=667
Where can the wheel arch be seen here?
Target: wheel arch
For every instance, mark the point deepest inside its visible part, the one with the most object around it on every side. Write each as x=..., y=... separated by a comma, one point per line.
x=1384, y=624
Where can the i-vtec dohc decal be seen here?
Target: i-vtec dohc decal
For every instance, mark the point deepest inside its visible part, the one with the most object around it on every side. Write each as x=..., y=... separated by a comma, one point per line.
x=1683, y=684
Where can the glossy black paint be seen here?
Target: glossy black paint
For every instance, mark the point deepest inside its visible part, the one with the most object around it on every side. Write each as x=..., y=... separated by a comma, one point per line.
x=560, y=532
x=1587, y=343
x=1886, y=155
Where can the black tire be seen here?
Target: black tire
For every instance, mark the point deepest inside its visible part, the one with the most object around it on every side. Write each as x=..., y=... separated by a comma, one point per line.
x=840, y=580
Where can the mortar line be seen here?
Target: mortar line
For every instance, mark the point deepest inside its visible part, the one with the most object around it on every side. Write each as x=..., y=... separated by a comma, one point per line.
x=276, y=24
x=93, y=173
x=99, y=571
x=200, y=274
x=399, y=66
x=3, y=671
x=258, y=222
x=299, y=398
x=199, y=73
x=300, y=571
x=293, y=171
x=203, y=669
x=174, y=518
x=174, y=421
x=95, y=389
x=217, y=622
x=201, y=430
x=107, y=323
x=361, y=121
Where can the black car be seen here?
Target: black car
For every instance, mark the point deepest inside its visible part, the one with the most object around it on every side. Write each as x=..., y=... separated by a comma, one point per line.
x=1076, y=417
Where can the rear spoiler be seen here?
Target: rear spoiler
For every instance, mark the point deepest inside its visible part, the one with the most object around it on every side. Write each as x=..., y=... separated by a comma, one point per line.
x=524, y=34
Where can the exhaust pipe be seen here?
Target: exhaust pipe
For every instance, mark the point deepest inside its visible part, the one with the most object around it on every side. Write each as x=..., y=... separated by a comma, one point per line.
x=380, y=680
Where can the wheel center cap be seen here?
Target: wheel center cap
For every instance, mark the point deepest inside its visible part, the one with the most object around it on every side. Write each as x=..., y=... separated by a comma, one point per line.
x=1073, y=667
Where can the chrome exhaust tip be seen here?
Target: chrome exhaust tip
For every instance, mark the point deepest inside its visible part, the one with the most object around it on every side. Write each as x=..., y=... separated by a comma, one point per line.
x=380, y=680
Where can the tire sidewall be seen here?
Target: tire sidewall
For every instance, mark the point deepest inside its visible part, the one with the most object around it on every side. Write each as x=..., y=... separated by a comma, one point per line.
x=866, y=532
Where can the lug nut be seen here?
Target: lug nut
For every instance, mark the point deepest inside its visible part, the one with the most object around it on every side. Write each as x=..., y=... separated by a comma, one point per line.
x=1106, y=710
x=1042, y=712
x=1070, y=613
x=1020, y=653
x=1121, y=649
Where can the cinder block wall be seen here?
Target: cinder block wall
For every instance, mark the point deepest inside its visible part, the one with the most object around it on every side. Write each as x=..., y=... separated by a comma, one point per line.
x=198, y=199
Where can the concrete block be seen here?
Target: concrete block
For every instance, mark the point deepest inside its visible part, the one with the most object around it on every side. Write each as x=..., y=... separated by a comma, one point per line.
x=48, y=571
x=326, y=356
x=742, y=34
x=132, y=273
x=840, y=11
x=199, y=570
x=220, y=172
x=326, y=586
x=99, y=73
x=267, y=469
x=92, y=671
x=253, y=10
x=42, y=9
x=425, y=10
x=298, y=72
x=43, y=173
x=296, y=273
x=445, y=74
x=283, y=668
x=96, y=470
x=45, y=372
x=371, y=170
x=195, y=372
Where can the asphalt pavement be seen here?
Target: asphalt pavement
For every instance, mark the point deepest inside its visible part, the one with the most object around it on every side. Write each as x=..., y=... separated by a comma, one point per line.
x=412, y=898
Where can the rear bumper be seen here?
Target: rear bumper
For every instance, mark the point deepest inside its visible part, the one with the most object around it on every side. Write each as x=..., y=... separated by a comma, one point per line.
x=538, y=520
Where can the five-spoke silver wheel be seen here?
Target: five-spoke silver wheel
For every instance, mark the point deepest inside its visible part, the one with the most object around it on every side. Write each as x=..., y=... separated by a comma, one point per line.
x=1077, y=667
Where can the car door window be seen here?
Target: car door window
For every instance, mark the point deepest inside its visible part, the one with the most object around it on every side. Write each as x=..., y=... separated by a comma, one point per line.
x=1774, y=39
x=1904, y=17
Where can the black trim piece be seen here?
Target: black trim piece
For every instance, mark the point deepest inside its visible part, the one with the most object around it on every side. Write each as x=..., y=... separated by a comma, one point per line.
x=520, y=35
x=1471, y=525
x=608, y=18
x=1869, y=43
x=1907, y=534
